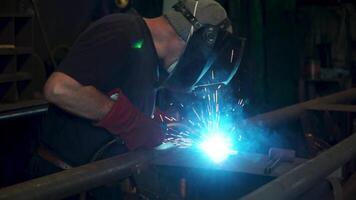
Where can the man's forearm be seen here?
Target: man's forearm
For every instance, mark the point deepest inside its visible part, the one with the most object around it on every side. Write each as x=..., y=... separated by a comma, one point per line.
x=84, y=101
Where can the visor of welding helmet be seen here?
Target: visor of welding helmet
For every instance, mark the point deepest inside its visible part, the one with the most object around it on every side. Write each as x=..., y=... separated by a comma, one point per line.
x=224, y=62
x=210, y=50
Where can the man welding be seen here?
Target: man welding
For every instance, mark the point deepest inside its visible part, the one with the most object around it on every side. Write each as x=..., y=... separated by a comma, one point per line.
x=103, y=94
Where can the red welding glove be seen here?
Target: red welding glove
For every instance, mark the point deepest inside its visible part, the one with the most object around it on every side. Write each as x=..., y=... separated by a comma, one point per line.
x=134, y=128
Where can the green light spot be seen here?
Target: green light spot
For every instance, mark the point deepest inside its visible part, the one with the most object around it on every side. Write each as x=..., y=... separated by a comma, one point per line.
x=138, y=44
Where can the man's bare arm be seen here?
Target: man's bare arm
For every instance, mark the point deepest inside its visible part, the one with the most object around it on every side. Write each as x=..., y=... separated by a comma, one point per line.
x=68, y=94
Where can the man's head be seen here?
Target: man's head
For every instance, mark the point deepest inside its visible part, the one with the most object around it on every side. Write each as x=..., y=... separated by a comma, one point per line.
x=205, y=31
x=205, y=11
x=170, y=31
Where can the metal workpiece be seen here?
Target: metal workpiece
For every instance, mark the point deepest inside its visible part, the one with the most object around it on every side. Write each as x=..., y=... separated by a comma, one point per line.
x=292, y=112
x=247, y=163
x=86, y=177
x=296, y=182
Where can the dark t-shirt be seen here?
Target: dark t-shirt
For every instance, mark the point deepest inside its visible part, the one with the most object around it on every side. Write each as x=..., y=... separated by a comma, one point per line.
x=116, y=51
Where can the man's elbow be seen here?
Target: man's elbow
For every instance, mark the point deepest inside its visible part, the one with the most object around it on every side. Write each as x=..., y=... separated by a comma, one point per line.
x=52, y=90
x=55, y=88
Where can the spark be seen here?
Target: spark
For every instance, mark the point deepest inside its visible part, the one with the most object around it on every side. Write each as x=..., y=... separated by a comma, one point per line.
x=196, y=114
x=190, y=121
x=167, y=118
x=232, y=56
x=211, y=131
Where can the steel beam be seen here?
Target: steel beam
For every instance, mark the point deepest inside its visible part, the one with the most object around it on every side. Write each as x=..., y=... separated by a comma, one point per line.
x=292, y=112
x=334, y=108
x=23, y=112
x=22, y=109
x=299, y=180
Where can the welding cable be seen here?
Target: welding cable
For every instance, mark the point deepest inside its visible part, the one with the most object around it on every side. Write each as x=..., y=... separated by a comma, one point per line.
x=97, y=156
x=102, y=149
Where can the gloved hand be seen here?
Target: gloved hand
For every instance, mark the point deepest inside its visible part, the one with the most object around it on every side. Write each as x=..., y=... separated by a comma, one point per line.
x=134, y=128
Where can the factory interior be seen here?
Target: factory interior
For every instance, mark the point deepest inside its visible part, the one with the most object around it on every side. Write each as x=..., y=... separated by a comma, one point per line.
x=275, y=119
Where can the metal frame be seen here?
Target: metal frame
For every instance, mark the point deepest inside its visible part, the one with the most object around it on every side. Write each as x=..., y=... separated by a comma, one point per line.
x=296, y=182
x=76, y=180
x=80, y=179
x=293, y=112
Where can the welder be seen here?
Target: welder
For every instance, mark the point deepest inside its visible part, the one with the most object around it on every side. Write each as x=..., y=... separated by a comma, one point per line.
x=102, y=96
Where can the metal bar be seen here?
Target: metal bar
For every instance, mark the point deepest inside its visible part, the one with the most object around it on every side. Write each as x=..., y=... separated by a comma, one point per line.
x=334, y=107
x=23, y=108
x=299, y=180
x=292, y=112
x=76, y=180
x=23, y=112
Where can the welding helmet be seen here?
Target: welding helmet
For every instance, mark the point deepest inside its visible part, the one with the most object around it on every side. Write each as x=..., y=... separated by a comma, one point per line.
x=212, y=55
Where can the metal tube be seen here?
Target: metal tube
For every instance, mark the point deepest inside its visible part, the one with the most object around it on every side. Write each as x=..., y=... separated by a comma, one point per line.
x=292, y=112
x=23, y=113
x=303, y=177
x=76, y=180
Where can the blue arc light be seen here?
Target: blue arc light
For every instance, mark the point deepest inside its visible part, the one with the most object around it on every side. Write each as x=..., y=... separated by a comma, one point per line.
x=218, y=147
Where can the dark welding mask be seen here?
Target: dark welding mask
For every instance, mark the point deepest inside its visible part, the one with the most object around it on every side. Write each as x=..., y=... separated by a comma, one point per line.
x=212, y=55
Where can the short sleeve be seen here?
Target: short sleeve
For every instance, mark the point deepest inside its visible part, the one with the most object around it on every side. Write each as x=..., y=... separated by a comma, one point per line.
x=99, y=54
